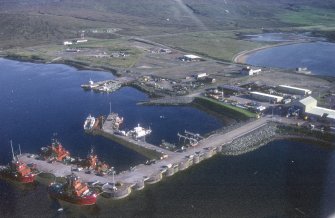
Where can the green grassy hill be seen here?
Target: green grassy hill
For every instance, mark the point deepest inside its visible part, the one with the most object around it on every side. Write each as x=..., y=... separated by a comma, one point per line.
x=27, y=22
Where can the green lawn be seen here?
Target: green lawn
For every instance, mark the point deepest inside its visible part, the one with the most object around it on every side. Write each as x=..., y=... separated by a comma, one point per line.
x=223, y=108
x=307, y=16
x=220, y=45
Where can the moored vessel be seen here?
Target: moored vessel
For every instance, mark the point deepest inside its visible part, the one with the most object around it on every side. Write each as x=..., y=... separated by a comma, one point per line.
x=89, y=122
x=55, y=152
x=139, y=132
x=73, y=191
x=18, y=170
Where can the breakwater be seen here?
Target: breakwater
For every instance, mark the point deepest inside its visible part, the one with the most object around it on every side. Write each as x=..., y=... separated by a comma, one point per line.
x=142, y=174
x=251, y=141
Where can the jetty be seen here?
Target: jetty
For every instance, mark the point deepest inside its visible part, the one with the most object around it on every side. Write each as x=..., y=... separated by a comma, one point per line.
x=107, y=85
x=168, y=164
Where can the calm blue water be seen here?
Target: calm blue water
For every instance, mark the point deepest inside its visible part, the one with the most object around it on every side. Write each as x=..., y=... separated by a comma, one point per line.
x=39, y=100
x=281, y=179
x=316, y=56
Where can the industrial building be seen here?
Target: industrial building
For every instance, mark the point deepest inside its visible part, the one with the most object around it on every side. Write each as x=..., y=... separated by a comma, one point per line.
x=266, y=97
x=294, y=90
x=310, y=108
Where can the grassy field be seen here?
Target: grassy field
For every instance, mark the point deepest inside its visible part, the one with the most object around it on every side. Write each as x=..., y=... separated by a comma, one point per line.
x=52, y=52
x=307, y=16
x=110, y=46
x=26, y=23
x=221, y=45
x=223, y=108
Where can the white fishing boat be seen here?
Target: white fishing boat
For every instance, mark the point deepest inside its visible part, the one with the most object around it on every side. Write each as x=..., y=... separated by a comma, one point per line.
x=139, y=132
x=89, y=122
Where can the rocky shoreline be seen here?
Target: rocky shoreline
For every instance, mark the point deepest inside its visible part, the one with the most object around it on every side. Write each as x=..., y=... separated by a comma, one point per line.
x=251, y=141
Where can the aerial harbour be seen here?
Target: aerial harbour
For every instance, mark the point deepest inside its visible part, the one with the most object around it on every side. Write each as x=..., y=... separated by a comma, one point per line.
x=167, y=109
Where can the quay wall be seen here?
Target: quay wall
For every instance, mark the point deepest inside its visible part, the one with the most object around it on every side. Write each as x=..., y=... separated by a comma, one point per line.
x=151, y=154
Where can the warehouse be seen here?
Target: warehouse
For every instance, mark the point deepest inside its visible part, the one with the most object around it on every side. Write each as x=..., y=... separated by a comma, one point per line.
x=310, y=108
x=294, y=90
x=266, y=97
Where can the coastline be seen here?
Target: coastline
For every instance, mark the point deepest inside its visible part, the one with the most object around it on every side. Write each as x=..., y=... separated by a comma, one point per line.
x=241, y=57
x=76, y=64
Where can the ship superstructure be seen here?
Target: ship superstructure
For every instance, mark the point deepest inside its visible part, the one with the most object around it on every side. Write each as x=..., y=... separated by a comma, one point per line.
x=18, y=170
x=93, y=163
x=73, y=191
x=138, y=132
x=55, y=151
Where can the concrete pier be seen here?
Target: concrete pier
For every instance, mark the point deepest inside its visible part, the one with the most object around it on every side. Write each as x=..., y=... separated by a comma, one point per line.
x=196, y=159
x=142, y=174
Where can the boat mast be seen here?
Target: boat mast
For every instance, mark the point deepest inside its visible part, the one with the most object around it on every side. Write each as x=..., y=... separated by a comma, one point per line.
x=20, y=149
x=11, y=145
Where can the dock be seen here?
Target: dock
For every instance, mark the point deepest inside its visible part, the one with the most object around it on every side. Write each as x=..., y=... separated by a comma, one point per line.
x=142, y=174
x=107, y=85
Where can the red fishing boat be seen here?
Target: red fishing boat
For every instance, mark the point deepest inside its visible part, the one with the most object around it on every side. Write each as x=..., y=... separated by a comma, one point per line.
x=18, y=170
x=55, y=151
x=73, y=191
x=92, y=163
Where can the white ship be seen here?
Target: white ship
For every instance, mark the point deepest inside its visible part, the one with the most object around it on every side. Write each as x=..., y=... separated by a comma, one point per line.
x=89, y=122
x=139, y=132
x=90, y=85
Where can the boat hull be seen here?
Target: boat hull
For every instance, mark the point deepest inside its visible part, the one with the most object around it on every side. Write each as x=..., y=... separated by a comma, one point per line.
x=22, y=179
x=87, y=200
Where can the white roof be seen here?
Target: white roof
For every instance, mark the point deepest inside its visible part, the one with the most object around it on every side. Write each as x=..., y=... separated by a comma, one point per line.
x=309, y=100
x=267, y=95
x=320, y=111
x=192, y=56
x=295, y=88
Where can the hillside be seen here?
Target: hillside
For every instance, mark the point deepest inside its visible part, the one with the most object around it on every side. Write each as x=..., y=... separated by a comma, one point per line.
x=24, y=22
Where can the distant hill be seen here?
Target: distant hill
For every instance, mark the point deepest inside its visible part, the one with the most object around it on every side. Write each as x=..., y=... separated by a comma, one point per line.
x=30, y=22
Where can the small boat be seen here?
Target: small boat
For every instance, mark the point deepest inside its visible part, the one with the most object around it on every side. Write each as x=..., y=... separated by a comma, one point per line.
x=89, y=122
x=139, y=132
x=73, y=191
x=18, y=170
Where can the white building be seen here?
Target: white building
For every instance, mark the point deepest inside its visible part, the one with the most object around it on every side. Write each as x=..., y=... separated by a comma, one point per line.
x=266, y=97
x=190, y=57
x=67, y=43
x=309, y=106
x=250, y=72
x=294, y=90
x=200, y=75
x=81, y=40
